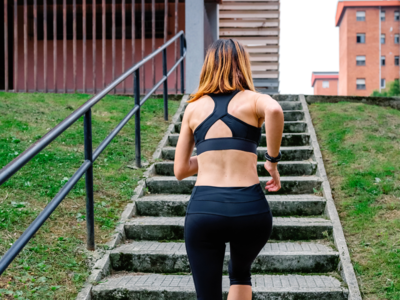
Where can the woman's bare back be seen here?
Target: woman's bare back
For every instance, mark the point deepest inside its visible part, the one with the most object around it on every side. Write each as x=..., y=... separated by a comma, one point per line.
x=226, y=168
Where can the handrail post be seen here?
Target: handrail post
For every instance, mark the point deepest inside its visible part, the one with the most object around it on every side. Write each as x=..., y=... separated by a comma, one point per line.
x=182, y=66
x=89, y=181
x=164, y=57
x=137, y=118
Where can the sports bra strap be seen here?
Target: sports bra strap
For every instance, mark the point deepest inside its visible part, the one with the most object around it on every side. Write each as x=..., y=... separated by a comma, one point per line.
x=221, y=103
x=245, y=137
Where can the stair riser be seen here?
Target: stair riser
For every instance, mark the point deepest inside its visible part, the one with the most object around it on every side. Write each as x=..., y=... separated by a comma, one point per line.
x=292, y=127
x=175, y=232
x=186, y=186
x=289, y=127
x=287, y=155
x=278, y=208
x=288, y=115
x=167, y=169
x=288, y=140
x=162, y=263
x=184, y=294
x=280, y=98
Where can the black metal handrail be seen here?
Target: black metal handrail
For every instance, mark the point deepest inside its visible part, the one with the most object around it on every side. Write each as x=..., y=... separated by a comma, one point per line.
x=90, y=156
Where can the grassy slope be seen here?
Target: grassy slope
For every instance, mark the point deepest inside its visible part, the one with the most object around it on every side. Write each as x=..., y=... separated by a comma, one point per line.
x=53, y=265
x=361, y=149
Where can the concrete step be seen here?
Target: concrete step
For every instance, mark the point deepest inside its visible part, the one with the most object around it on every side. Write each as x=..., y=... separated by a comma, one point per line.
x=175, y=205
x=290, y=185
x=288, y=153
x=181, y=287
x=171, y=228
x=289, y=115
x=279, y=97
x=288, y=139
x=156, y=257
x=289, y=127
x=286, y=168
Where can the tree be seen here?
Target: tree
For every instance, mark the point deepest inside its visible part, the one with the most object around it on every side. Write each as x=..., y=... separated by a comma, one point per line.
x=392, y=90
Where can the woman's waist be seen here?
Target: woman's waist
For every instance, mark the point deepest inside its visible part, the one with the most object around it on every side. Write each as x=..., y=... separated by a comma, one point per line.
x=227, y=175
x=228, y=194
x=228, y=201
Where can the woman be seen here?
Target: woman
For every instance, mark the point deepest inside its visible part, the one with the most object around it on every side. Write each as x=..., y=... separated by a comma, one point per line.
x=224, y=119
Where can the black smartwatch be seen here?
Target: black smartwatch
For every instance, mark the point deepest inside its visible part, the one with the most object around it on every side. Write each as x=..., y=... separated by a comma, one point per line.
x=273, y=159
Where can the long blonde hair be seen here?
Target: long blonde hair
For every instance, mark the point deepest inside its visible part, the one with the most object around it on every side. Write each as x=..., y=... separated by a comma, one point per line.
x=225, y=69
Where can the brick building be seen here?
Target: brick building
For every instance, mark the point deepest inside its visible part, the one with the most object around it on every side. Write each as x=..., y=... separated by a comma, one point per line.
x=369, y=45
x=325, y=83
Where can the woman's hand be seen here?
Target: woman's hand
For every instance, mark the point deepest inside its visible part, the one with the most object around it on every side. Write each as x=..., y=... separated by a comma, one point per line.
x=274, y=184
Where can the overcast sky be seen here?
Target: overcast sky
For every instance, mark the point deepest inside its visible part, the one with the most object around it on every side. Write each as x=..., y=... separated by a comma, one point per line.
x=309, y=42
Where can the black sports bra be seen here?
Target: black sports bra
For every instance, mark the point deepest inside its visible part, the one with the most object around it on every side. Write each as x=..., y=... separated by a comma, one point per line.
x=245, y=137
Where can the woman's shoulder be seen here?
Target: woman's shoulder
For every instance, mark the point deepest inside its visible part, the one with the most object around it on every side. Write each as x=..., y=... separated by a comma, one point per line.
x=200, y=103
x=198, y=106
x=254, y=95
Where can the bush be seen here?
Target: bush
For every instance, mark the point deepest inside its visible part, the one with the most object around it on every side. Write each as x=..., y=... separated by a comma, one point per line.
x=392, y=90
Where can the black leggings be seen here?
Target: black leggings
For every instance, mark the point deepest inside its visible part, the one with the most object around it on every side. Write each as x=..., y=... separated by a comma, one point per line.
x=212, y=221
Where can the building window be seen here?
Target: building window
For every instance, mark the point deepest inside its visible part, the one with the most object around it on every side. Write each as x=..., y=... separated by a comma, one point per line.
x=396, y=39
x=383, y=15
x=360, y=15
x=360, y=60
x=383, y=61
x=360, y=84
x=325, y=84
x=397, y=15
x=383, y=38
x=360, y=38
x=396, y=61
x=383, y=83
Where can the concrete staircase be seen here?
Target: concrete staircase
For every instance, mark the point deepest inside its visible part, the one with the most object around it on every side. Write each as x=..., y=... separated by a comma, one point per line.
x=299, y=262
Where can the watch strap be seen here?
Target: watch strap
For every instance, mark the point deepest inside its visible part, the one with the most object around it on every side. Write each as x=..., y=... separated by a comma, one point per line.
x=273, y=159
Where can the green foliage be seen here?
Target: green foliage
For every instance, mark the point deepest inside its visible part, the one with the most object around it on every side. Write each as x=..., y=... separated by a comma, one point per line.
x=360, y=145
x=53, y=265
x=392, y=90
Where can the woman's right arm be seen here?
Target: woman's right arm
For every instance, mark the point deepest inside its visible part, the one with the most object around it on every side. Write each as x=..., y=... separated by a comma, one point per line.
x=270, y=110
x=185, y=164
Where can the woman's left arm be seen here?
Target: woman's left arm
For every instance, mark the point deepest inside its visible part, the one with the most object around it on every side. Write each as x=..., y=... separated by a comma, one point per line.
x=185, y=165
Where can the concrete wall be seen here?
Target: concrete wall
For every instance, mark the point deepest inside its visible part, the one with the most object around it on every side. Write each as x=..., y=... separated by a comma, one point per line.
x=200, y=31
x=380, y=101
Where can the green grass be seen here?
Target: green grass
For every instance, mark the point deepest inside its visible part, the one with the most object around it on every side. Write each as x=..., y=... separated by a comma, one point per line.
x=54, y=265
x=361, y=149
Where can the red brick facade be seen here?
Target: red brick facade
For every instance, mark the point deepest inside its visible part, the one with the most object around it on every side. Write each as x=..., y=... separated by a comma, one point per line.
x=321, y=89
x=349, y=27
x=325, y=83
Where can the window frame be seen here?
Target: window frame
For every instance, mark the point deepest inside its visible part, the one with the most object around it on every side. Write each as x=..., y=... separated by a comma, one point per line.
x=383, y=38
x=383, y=15
x=397, y=38
x=360, y=19
x=363, y=38
x=361, y=86
x=383, y=61
x=383, y=80
x=397, y=15
x=397, y=60
x=324, y=84
x=360, y=62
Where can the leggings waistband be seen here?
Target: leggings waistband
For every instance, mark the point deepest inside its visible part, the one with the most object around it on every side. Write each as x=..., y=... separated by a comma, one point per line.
x=228, y=201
